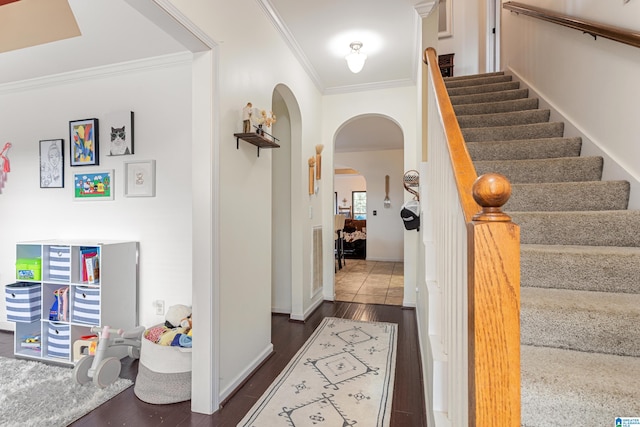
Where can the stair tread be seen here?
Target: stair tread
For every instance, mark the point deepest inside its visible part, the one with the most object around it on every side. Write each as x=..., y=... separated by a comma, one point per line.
x=519, y=149
x=563, y=169
x=508, y=118
x=565, y=387
x=583, y=249
x=579, y=300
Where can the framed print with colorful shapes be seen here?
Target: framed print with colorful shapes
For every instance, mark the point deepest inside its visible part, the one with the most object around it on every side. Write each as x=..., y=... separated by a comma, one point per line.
x=83, y=142
x=94, y=185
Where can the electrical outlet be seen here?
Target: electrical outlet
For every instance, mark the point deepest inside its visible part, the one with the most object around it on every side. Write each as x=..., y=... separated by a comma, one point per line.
x=160, y=307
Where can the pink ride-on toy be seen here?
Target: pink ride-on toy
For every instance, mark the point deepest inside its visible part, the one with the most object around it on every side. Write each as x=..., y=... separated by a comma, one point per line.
x=104, y=369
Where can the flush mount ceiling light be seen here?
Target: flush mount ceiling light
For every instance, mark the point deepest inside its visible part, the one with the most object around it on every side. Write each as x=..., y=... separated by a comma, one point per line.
x=355, y=59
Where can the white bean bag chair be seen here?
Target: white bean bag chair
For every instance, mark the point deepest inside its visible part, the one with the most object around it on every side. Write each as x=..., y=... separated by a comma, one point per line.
x=164, y=374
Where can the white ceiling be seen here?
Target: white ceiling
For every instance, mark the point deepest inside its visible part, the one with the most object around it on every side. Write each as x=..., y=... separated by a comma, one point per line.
x=319, y=32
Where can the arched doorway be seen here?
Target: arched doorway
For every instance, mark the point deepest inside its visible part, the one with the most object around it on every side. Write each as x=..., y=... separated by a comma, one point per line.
x=371, y=147
x=288, y=128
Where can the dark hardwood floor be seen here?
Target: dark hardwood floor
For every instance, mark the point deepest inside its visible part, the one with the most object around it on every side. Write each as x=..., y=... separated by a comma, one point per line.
x=287, y=337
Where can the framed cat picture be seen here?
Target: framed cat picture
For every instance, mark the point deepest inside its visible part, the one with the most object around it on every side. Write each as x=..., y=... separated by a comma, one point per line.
x=119, y=127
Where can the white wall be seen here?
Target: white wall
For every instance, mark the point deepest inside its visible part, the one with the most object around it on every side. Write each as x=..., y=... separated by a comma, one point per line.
x=401, y=106
x=385, y=231
x=592, y=83
x=253, y=60
x=160, y=97
x=345, y=184
x=466, y=38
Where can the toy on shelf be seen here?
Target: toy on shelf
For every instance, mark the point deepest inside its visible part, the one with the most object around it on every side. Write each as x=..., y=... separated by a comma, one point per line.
x=102, y=369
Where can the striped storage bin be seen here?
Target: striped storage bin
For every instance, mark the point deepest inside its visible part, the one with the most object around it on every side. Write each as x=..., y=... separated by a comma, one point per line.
x=23, y=302
x=86, y=305
x=58, y=340
x=60, y=263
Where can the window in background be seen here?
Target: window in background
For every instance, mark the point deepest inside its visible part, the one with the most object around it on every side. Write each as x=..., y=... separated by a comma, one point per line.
x=359, y=203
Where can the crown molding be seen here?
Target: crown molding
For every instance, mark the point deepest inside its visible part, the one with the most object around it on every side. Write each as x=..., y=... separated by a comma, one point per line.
x=424, y=9
x=98, y=72
x=390, y=84
x=278, y=22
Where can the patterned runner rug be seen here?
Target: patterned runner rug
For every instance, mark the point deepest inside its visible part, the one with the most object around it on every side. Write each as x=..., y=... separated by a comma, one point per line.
x=342, y=376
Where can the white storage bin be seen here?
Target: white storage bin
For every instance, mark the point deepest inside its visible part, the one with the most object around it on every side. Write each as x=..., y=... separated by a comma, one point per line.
x=23, y=302
x=58, y=342
x=86, y=305
x=164, y=373
x=60, y=263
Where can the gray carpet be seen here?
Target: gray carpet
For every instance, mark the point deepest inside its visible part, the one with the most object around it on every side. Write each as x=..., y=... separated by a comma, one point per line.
x=580, y=257
x=35, y=394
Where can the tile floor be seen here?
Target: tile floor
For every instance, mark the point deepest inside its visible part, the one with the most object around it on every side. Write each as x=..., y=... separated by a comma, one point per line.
x=370, y=282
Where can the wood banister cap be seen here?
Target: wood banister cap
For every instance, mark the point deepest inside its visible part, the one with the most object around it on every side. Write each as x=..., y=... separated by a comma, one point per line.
x=491, y=191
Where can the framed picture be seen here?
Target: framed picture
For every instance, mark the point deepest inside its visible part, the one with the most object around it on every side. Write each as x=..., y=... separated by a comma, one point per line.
x=83, y=142
x=120, y=130
x=140, y=178
x=96, y=185
x=52, y=163
x=444, y=19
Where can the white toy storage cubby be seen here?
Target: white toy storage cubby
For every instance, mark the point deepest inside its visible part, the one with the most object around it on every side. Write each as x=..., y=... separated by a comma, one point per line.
x=111, y=299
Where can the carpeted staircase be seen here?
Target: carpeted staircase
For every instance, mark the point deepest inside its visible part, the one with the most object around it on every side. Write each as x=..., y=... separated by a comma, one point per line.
x=580, y=257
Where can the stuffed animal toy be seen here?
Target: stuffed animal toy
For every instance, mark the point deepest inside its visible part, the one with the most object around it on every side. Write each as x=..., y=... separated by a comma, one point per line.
x=176, y=315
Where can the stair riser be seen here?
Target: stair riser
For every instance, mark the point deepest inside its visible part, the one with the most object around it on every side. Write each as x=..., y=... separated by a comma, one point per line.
x=475, y=82
x=473, y=76
x=489, y=97
x=521, y=150
x=512, y=133
x=586, y=196
x=581, y=271
x=581, y=325
x=602, y=228
x=496, y=107
x=504, y=119
x=569, y=169
x=472, y=90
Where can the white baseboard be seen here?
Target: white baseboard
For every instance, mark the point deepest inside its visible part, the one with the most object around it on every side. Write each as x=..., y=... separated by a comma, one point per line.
x=383, y=259
x=7, y=326
x=308, y=311
x=590, y=147
x=245, y=373
x=278, y=310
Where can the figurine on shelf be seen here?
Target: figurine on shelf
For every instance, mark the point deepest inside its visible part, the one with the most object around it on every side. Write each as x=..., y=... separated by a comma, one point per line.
x=265, y=120
x=247, y=112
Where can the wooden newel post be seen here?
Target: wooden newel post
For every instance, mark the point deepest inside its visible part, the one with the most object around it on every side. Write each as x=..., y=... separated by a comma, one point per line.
x=491, y=191
x=494, y=308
